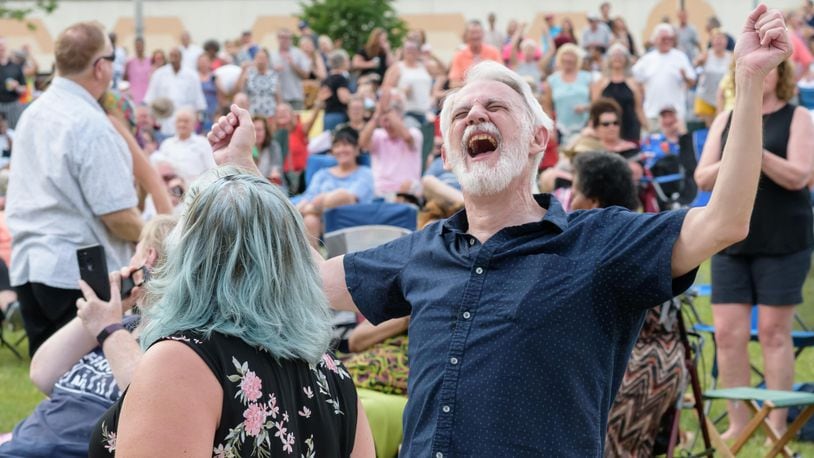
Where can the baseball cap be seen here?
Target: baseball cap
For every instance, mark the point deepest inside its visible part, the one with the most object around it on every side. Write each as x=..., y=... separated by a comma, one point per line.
x=667, y=109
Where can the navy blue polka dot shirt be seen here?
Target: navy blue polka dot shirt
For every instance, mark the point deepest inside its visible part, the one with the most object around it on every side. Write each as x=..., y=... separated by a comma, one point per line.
x=518, y=345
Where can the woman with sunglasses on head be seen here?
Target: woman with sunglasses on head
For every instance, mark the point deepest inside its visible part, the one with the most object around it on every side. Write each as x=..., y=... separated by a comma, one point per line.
x=605, y=123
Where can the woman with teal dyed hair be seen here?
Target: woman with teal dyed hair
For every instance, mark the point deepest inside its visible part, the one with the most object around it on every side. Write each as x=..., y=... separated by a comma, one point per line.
x=236, y=340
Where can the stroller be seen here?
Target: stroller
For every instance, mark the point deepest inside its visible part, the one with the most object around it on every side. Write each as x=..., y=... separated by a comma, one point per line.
x=667, y=183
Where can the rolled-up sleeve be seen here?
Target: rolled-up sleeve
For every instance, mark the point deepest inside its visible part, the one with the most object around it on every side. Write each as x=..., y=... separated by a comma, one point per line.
x=635, y=261
x=374, y=279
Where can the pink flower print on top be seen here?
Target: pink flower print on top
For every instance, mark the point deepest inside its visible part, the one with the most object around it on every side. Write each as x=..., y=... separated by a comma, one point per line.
x=330, y=363
x=111, y=442
x=288, y=442
x=273, y=408
x=254, y=418
x=251, y=386
x=281, y=430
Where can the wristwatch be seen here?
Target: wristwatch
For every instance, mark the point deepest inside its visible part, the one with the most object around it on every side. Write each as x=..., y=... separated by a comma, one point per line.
x=107, y=331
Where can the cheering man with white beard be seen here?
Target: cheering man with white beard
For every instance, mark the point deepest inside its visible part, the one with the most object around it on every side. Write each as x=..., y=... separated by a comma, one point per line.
x=522, y=317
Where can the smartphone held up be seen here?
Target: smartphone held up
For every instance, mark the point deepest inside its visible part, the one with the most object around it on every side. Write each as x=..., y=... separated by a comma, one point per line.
x=93, y=271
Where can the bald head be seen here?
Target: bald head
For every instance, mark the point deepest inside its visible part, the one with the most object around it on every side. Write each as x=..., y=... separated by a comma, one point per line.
x=185, y=120
x=77, y=47
x=175, y=58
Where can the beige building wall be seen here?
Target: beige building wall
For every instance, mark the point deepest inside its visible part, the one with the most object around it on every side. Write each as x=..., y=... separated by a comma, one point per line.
x=443, y=20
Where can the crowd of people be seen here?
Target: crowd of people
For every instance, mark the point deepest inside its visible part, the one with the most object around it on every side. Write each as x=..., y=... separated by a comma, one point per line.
x=234, y=346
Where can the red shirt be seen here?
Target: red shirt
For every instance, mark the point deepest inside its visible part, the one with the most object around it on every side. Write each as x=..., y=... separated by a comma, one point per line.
x=297, y=155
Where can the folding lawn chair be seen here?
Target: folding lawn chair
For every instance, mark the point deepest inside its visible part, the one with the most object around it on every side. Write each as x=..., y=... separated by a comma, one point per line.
x=11, y=313
x=358, y=227
x=380, y=212
x=316, y=162
x=801, y=340
x=770, y=399
x=699, y=137
x=359, y=238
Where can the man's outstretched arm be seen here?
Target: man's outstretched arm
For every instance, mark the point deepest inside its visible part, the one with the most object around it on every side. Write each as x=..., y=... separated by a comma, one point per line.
x=332, y=272
x=763, y=45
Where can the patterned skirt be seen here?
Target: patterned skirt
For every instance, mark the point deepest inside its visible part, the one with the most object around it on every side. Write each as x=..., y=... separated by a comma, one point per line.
x=654, y=377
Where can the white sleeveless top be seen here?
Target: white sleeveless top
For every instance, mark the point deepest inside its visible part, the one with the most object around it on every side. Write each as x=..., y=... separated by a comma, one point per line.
x=418, y=80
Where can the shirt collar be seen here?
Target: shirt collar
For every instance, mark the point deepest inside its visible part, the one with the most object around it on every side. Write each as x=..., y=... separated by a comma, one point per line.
x=74, y=88
x=555, y=216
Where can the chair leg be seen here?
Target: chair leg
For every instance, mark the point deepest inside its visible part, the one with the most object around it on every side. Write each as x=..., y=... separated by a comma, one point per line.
x=5, y=343
x=771, y=434
x=751, y=427
x=780, y=444
x=721, y=449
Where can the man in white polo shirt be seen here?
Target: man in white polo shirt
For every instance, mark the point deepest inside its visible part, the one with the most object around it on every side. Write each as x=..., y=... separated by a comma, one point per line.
x=666, y=74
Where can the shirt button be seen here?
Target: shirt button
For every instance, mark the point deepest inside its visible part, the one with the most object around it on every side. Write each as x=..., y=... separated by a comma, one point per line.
x=446, y=409
x=453, y=360
x=479, y=270
x=467, y=315
x=439, y=455
x=471, y=242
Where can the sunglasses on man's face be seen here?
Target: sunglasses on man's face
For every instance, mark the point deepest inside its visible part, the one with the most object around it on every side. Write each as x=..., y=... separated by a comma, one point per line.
x=110, y=58
x=608, y=123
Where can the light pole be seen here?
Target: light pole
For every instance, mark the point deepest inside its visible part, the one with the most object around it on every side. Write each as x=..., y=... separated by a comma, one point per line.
x=139, y=17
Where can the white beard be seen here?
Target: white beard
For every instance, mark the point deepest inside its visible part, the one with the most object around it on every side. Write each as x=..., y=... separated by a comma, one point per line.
x=483, y=179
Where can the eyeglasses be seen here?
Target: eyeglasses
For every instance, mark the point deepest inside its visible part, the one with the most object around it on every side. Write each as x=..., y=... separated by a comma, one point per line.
x=110, y=58
x=609, y=123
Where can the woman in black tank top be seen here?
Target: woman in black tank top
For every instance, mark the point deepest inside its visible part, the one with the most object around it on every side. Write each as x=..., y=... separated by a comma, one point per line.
x=769, y=267
x=619, y=86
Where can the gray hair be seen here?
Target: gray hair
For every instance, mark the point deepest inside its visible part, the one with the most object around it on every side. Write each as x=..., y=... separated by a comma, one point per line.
x=662, y=28
x=533, y=114
x=337, y=58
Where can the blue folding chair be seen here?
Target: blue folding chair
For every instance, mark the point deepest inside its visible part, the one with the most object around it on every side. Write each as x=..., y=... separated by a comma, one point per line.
x=699, y=137
x=357, y=227
x=801, y=339
x=806, y=96
x=316, y=162
x=380, y=212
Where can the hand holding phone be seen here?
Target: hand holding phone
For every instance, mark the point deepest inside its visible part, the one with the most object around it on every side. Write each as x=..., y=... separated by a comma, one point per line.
x=132, y=281
x=95, y=313
x=93, y=270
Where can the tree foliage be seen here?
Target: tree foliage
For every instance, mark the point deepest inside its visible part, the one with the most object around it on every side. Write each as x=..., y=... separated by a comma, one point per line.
x=25, y=9
x=352, y=20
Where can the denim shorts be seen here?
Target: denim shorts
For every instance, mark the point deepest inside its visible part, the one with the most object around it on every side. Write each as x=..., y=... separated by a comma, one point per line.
x=764, y=280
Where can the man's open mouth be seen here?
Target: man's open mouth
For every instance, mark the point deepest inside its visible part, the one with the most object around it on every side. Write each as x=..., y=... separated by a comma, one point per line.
x=481, y=144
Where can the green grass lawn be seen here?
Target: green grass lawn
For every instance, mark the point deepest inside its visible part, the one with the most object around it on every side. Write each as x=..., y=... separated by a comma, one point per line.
x=18, y=396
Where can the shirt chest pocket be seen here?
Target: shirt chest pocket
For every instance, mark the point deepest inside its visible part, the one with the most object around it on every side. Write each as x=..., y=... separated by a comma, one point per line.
x=538, y=290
